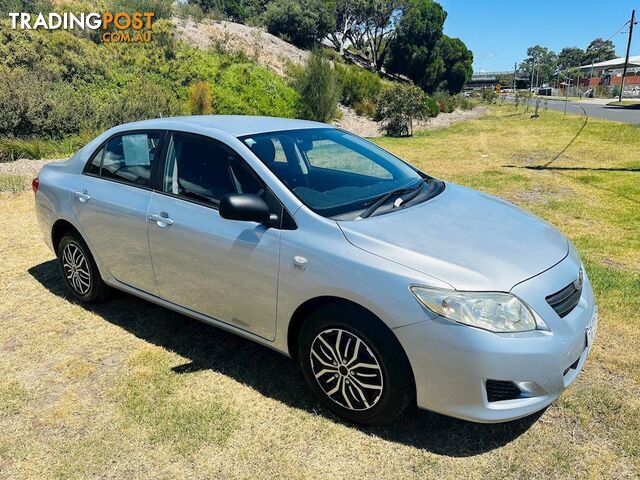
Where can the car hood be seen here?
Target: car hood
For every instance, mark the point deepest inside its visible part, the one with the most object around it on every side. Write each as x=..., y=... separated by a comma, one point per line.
x=469, y=239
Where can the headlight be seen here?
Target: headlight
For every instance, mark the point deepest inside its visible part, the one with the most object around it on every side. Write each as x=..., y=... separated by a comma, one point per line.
x=493, y=311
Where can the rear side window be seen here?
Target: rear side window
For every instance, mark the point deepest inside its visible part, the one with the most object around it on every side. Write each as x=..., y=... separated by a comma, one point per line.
x=94, y=167
x=127, y=158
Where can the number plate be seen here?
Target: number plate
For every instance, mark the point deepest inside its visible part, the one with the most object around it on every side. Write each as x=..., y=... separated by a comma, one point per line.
x=592, y=328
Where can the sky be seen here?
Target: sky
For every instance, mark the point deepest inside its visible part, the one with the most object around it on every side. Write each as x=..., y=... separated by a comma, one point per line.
x=499, y=32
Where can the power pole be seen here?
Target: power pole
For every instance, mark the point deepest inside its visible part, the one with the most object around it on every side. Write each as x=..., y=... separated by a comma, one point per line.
x=533, y=69
x=515, y=73
x=626, y=61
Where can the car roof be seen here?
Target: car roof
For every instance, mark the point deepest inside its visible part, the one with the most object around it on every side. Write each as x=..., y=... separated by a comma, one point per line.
x=236, y=125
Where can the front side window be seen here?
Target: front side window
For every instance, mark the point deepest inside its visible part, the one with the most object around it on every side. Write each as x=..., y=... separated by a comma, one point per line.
x=333, y=172
x=129, y=157
x=205, y=170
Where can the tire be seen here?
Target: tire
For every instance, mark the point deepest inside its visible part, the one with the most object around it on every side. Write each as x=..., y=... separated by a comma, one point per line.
x=381, y=385
x=79, y=270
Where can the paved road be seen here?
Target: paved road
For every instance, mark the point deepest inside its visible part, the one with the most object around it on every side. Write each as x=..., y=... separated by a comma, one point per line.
x=599, y=110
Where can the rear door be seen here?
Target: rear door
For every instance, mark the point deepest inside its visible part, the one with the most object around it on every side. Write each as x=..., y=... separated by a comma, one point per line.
x=225, y=269
x=111, y=202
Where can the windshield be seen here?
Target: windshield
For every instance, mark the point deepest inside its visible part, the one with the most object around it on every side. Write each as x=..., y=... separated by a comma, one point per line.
x=331, y=171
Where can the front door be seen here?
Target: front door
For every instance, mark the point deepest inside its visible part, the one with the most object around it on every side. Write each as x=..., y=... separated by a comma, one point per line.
x=225, y=269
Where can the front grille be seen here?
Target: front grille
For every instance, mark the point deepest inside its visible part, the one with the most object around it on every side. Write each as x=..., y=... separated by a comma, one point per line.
x=565, y=300
x=501, y=390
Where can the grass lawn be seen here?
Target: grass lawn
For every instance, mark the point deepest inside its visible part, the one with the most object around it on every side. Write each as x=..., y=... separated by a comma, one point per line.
x=129, y=390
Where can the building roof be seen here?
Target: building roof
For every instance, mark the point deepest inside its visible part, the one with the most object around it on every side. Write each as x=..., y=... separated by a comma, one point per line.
x=236, y=125
x=613, y=64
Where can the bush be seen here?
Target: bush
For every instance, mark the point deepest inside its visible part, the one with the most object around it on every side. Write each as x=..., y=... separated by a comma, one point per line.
x=446, y=102
x=301, y=22
x=190, y=10
x=161, y=8
x=432, y=106
x=399, y=106
x=200, y=99
x=55, y=83
x=37, y=148
x=31, y=6
x=365, y=108
x=318, y=89
x=358, y=86
x=32, y=105
x=489, y=95
x=464, y=103
x=241, y=11
x=616, y=91
x=246, y=89
x=144, y=99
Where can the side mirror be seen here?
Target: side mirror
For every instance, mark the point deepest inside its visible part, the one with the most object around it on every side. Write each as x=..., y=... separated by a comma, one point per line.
x=244, y=206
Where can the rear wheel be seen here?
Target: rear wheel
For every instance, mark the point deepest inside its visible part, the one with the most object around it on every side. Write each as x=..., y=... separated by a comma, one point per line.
x=79, y=270
x=354, y=365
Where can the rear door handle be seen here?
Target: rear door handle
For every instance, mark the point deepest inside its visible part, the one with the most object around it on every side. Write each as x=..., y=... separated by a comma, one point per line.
x=83, y=196
x=162, y=219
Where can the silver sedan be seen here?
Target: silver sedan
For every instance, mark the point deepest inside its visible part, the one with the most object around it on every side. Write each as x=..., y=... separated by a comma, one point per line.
x=389, y=287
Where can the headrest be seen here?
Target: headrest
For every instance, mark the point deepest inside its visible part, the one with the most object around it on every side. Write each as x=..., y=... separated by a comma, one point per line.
x=263, y=148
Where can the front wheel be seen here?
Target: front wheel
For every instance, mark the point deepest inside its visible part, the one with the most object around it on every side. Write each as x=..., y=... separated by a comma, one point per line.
x=355, y=366
x=79, y=270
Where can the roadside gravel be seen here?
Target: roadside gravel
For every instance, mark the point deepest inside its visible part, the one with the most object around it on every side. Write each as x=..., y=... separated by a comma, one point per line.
x=23, y=167
x=366, y=127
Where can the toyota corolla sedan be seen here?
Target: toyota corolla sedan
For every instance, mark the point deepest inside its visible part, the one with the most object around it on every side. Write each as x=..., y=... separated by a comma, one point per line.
x=389, y=287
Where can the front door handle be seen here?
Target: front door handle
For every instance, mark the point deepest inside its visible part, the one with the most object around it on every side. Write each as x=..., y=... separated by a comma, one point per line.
x=162, y=219
x=83, y=196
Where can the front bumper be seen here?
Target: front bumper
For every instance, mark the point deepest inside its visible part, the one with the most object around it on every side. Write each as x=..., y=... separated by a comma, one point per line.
x=451, y=362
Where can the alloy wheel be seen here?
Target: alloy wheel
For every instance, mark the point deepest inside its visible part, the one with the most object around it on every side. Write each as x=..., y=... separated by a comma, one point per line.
x=346, y=369
x=76, y=268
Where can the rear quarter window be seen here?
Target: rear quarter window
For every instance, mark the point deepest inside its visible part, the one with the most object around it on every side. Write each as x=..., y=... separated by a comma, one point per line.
x=127, y=158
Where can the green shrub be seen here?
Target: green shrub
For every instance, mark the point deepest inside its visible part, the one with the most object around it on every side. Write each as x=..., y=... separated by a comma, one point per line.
x=246, y=89
x=365, y=108
x=161, y=8
x=358, y=85
x=200, y=99
x=37, y=148
x=433, y=109
x=489, y=95
x=31, y=6
x=144, y=99
x=465, y=103
x=55, y=83
x=318, y=89
x=399, y=106
x=190, y=10
x=446, y=102
x=301, y=22
x=15, y=148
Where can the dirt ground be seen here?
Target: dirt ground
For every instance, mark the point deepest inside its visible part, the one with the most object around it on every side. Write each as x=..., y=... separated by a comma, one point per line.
x=259, y=45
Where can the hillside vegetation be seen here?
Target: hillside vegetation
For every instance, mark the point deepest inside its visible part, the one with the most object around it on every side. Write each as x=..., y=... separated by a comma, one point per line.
x=55, y=83
x=59, y=88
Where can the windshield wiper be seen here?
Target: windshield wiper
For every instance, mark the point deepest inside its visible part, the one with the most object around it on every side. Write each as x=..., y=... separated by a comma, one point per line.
x=398, y=191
